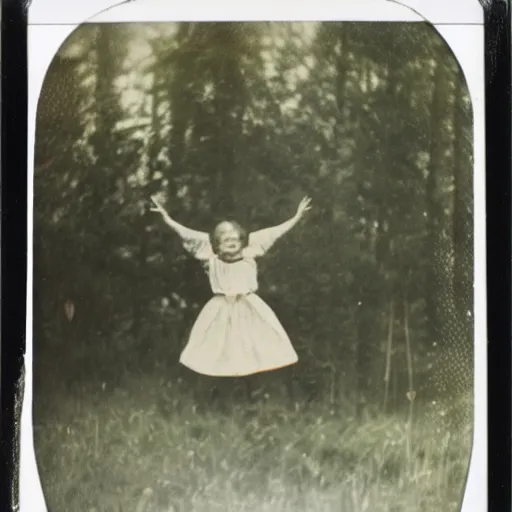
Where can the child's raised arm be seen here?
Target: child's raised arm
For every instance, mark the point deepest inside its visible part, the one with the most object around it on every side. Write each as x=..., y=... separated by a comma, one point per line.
x=195, y=242
x=261, y=241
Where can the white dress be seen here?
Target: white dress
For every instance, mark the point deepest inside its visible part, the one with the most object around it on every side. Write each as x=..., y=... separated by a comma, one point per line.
x=236, y=333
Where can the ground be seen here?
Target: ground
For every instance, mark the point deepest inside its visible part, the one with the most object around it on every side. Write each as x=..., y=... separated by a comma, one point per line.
x=144, y=446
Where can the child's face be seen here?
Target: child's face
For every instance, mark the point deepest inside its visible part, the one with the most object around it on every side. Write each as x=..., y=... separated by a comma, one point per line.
x=229, y=241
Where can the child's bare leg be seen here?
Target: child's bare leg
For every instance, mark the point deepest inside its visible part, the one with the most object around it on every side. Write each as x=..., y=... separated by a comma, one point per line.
x=222, y=393
x=289, y=380
x=201, y=391
x=279, y=385
x=251, y=387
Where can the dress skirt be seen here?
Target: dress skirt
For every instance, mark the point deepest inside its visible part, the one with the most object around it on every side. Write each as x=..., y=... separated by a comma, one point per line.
x=237, y=336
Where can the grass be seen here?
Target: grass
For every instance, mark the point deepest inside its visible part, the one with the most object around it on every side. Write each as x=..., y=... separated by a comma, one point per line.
x=144, y=447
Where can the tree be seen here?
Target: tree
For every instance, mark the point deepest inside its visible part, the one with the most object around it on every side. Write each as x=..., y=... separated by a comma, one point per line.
x=242, y=120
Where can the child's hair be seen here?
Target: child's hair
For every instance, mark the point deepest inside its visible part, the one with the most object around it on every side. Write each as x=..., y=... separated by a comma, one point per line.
x=244, y=237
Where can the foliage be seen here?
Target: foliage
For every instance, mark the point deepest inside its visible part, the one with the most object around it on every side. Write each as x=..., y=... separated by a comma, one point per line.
x=120, y=449
x=375, y=289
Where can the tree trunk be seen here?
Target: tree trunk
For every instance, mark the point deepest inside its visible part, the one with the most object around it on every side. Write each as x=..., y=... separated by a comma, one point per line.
x=365, y=333
x=179, y=100
x=439, y=267
x=151, y=187
x=452, y=370
x=142, y=275
x=229, y=105
x=342, y=68
x=462, y=209
x=369, y=281
x=389, y=353
x=105, y=143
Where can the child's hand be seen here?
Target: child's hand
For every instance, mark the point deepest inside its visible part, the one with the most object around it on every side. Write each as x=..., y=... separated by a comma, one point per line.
x=304, y=206
x=158, y=207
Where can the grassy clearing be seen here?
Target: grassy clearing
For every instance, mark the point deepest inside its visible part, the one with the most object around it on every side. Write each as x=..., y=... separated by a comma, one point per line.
x=145, y=448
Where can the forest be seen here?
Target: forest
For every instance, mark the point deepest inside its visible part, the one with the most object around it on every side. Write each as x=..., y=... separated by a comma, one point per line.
x=375, y=288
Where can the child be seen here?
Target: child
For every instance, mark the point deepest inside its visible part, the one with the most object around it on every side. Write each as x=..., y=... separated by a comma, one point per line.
x=236, y=334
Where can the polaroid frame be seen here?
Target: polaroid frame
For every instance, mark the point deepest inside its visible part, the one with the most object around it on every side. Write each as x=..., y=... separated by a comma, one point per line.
x=450, y=26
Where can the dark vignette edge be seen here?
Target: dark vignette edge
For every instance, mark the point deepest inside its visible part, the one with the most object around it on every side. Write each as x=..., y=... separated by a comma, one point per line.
x=499, y=256
x=14, y=237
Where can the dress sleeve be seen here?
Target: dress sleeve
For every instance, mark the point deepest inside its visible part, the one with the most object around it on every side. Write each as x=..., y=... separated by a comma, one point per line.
x=197, y=243
x=261, y=241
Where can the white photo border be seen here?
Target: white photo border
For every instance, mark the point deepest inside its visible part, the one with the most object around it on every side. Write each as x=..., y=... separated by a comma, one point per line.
x=52, y=21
